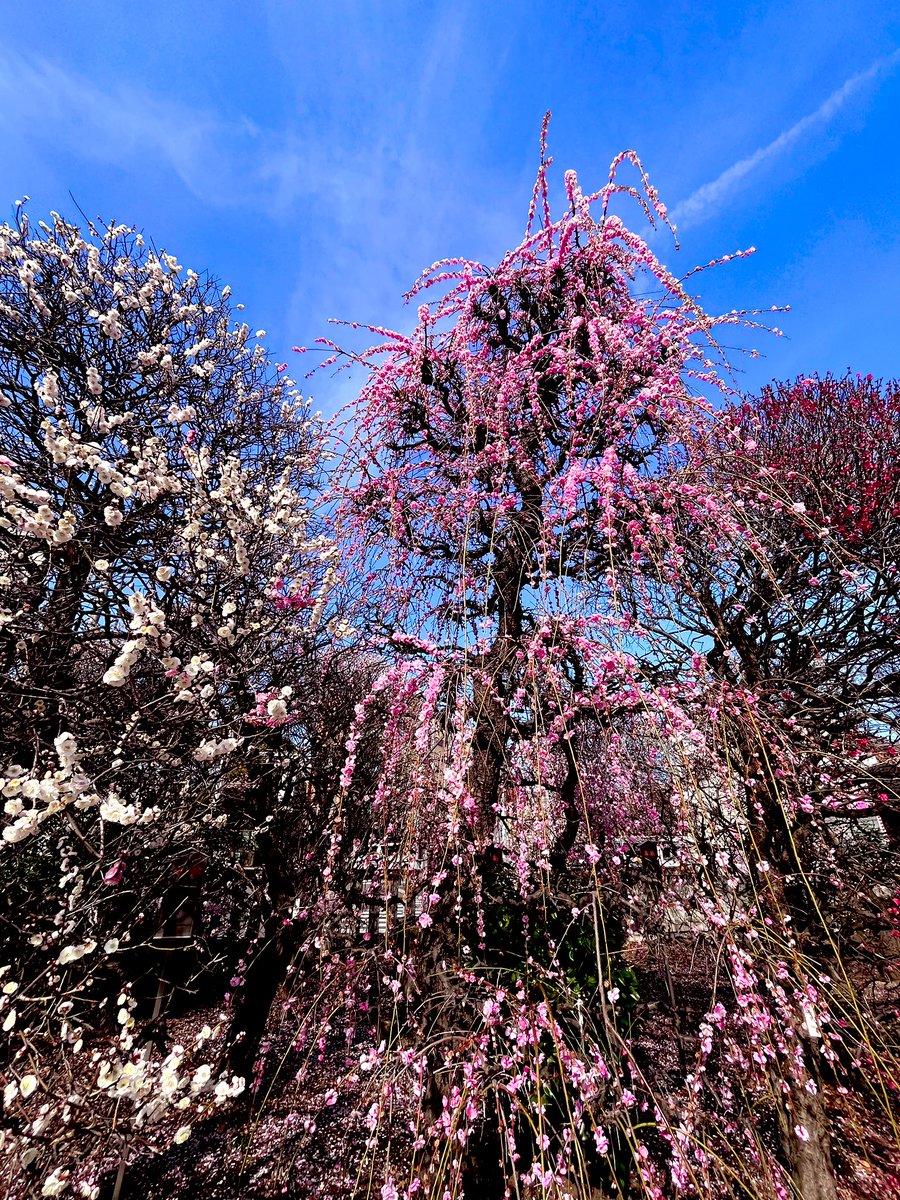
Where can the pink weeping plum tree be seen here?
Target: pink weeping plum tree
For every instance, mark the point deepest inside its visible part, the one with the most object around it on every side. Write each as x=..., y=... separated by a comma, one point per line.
x=545, y=491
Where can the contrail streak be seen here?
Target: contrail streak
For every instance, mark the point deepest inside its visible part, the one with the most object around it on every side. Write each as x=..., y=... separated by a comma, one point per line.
x=707, y=196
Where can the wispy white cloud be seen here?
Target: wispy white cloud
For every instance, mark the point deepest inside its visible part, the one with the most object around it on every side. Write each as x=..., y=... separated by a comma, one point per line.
x=351, y=187
x=706, y=198
x=355, y=185
x=221, y=162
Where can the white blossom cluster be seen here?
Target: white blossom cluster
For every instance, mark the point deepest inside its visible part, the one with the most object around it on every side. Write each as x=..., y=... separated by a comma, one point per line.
x=147, y=624
x=154, y=1087
x=27, y=510
x=31, y=798
x=130, y=1073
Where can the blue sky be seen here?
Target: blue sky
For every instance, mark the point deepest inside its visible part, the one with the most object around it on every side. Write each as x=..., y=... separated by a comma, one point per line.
x=317, y=155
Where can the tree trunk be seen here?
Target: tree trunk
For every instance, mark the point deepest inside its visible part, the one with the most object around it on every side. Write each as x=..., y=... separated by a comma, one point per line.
x=268, y=969
x=810, y=1159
